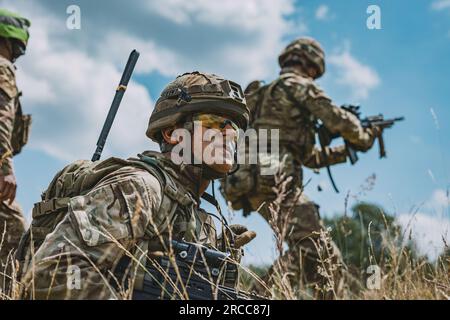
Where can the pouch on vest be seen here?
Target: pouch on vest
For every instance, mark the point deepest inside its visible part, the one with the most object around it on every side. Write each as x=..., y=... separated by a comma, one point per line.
x=21, y=131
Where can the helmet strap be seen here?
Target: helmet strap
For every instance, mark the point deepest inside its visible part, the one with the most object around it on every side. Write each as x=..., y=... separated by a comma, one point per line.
x=14, y=47
x=236, y=164
x=7, y=50
x=224, y=223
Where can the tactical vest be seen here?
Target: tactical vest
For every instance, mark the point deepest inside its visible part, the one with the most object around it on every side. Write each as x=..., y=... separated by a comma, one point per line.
x=272, y=106
x=78, y=178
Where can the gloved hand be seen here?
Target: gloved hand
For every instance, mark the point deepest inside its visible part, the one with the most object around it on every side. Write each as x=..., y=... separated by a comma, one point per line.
x=371, y=134
x=375, y=131
x=242, y=235
x=8, y=188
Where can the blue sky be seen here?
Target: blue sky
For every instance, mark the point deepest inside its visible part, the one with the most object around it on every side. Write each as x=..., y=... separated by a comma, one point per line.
x=69, y=76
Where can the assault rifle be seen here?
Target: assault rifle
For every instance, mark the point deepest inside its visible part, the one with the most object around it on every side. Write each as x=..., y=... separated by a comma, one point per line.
x=377, y=121
x=201, y=273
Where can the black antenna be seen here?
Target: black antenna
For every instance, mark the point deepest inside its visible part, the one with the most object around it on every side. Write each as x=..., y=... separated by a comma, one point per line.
x=120, y=91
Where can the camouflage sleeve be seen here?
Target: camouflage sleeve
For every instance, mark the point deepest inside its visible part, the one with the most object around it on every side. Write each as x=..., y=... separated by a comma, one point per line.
x=334, y=155
x=8, y=92
x=76, y=260
x=334, y=118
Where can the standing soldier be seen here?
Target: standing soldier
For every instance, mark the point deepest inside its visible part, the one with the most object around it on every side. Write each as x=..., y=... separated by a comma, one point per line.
x=293, y=103
x=96, y=216
x=14, y=128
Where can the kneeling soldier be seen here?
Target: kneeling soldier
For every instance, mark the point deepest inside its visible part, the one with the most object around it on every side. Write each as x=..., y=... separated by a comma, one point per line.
x=101, y=220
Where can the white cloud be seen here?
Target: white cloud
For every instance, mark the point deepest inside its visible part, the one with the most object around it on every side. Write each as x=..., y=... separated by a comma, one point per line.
x=427, y=231
x=439, y=202
x=440, y=5
x=431, y=227
x=69, y=93
x=322, y=12
x=441, y=198
x=152, y=57
x=262, y=23
x=355, y=75
x=246, y=16
x=68, y=77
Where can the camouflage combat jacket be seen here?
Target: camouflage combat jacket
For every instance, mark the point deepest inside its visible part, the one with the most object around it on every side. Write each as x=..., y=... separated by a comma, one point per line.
x=14, y=126
x=107, y=210
x=293, y=103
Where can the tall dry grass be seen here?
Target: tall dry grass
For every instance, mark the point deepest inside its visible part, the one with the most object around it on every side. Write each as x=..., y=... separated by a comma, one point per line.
x=403, y=275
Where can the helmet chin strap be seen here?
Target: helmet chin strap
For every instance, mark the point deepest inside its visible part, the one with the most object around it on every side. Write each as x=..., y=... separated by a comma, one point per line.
x=15, y=48
x=210, y=174
x=236, y=164
x=207, y=173
x=212, y=199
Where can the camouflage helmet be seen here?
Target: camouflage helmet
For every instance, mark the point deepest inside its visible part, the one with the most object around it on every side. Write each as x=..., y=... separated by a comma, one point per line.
x=304, y=49
x=15, y=28
x=197, y=92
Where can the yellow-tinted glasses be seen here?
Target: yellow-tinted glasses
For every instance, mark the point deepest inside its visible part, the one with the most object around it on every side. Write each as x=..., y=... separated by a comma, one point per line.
x=212, y=121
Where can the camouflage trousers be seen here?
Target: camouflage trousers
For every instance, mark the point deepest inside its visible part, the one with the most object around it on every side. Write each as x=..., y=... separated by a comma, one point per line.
x=12, y=226
x=312, y=260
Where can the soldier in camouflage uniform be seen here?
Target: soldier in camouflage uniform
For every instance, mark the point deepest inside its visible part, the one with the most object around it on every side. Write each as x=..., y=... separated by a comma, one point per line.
x=94, y=214
x=293, y=103
x=13, y=135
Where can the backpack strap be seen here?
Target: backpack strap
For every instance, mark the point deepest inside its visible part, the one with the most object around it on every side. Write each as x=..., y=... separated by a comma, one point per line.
x=49, y=206
x=174, y=195
x=261, y=91
x=169, y=186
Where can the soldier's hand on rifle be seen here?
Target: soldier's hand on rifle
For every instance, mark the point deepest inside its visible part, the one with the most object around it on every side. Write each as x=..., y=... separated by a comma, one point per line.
x=8, y=187
x=242, y=235
x=375, y=131
x=372, y=133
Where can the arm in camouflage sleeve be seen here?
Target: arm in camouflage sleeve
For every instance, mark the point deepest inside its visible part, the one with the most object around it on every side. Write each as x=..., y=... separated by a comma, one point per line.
x=75, y=259
x=335, y=155
x=334, y=118
x=8, y=91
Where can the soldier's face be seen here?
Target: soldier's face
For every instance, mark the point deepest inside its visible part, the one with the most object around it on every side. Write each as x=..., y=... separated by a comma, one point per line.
x=312, y=73
x=217, y=143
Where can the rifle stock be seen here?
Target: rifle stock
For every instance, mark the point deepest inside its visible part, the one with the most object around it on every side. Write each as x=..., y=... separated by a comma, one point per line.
x=199, y=272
